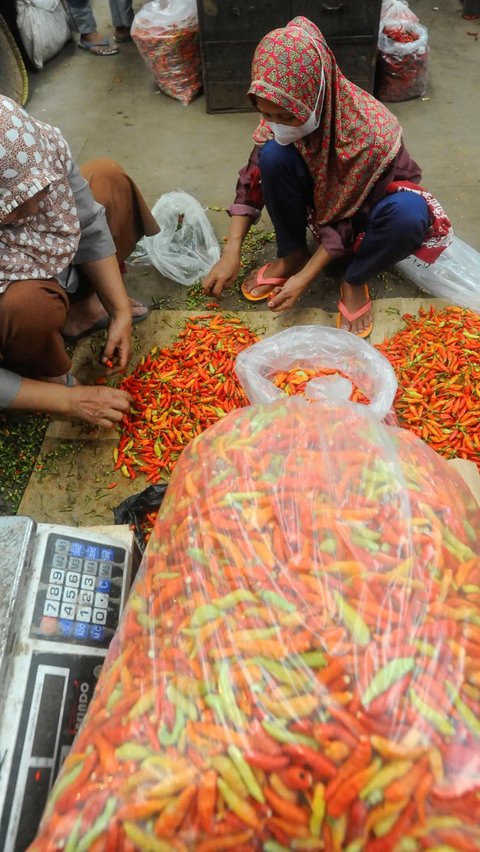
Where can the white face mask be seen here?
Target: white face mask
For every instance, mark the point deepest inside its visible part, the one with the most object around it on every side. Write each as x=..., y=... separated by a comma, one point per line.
x=285, y=135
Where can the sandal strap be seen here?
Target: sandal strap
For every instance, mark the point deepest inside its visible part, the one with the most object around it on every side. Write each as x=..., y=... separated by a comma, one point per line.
x=351, y=317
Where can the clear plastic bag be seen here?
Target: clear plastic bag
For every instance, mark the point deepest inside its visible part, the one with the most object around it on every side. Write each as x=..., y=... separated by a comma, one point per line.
x=318, y=347
x=397, y=10
x=298, y=659
x=186, y=247
x=455, y=276
x=402, y=68
x=166, y=34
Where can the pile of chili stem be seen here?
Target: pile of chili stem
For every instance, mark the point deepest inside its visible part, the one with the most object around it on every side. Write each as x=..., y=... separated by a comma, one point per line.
x=298, y=666
x=294, y=381
x=178, y=392
x=436, y=359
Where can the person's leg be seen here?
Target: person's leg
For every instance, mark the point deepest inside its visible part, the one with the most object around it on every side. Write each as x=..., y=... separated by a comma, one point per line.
x=127, y=212
x=395, y=229
x=86, y=25
x=31, y=316
x=287, y=189
x=122, y=18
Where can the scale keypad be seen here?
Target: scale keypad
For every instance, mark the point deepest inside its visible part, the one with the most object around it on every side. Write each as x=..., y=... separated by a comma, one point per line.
x=80, y=591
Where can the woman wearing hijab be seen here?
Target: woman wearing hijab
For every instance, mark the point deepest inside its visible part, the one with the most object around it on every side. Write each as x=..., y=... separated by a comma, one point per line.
x=63, y=235
x=331, y=157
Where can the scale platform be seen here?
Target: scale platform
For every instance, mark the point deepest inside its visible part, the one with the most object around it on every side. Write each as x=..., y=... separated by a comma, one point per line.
x=62, y=591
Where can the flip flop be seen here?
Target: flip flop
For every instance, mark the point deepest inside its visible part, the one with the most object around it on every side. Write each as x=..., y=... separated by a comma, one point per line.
x=261, y=281
x=103, y=324
x=106, y=43
x=351, y=317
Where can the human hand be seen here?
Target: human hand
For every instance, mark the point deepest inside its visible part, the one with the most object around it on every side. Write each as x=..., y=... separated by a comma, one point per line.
x=286, y=296
x=223, y=275
x=117, y=347
x=101, y=406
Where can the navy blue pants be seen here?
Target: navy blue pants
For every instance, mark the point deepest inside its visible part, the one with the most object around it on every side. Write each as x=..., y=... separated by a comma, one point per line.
x=394, y=228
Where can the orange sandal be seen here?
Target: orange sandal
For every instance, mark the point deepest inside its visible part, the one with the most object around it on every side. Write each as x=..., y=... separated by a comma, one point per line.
x=351, y=317
x=261, y=281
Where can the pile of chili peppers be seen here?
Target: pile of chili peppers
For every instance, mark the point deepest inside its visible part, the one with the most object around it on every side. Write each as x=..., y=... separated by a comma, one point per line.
x=401, y=76
x=298, y=665
x=178, y=392
x=437, y=362
x=173, y=56
x=294, y=382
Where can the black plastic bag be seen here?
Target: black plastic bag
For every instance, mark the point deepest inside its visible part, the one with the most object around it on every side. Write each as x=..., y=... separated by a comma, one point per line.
x=132, y=510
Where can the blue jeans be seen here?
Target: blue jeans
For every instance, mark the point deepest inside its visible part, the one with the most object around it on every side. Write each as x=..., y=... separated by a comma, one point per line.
x=394, y=229
x=84, y=19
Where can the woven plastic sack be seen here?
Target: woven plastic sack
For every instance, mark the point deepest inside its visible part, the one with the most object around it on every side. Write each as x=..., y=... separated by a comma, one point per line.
x=318, y=347
x=186, y=247
x=299, y=656
x=455, y=276
x=44, y=28
x=166, y=34
x=402, y=69
x=397, y=10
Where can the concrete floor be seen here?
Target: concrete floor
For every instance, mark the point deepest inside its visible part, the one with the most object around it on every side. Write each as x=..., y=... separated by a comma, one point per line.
x=110, y=107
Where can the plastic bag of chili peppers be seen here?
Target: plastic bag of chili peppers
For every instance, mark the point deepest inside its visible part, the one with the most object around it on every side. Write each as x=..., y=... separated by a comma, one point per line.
x=402, y=61
x=317, y=362
x=397, y=10
x=298, y=665
x=166, y=34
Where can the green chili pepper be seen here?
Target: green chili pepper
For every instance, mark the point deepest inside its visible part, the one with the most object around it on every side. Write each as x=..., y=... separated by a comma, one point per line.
x=433, y=716
x=147, y=622
x=227, y=698
x=166, y=575
x=65, y=782
x=71, y=843
x=390, y=772
x=227, y=769
x=386, y=677
x=100, y=824
x=132, y=751
x=203, y=614
x=245, y=772
x=114, y=697
x=313, y=659
x=259, y=633
x=146, y=842
x=213, y=701
x=365, y=543
x=283, y=735
x=241, y=496
x=356, y=845
x=426, y=648
x=182, y=702
x=329, y=545
x=234, y=598
x=298, y=680
x=273, y=846
x=198, y=555
x=470, y=589
x=472, y=536
x=277, y=600
x=352, y=620
x=409, y=844
x=318, y=810
x=464, y=552
x=470, y=719
x=168, y=739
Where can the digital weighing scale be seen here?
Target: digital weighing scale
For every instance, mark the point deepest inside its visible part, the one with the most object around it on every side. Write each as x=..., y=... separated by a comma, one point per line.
x=62, y=591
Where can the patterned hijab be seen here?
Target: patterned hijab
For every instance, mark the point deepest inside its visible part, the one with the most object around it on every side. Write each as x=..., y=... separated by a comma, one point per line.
x=357, y=138
x=34, y=156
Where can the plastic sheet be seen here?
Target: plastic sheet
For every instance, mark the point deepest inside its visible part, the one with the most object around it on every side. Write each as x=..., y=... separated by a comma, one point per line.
x=316, y=346
x=402, y=68
x=186, y=247
x=397, y=10
x=298, y=664
x=166, y=34
x=455, y=276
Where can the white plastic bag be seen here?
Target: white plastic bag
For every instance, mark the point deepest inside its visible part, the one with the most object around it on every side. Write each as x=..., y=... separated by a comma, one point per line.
x=402, y=67
x=186, y=247
x=167, y=36
x=397, y=10
x=455, y=276
x=44, y=28
x=317, y=346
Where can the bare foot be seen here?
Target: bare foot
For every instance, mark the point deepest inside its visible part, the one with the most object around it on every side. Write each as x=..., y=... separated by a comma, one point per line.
x=82, y=315
x=354, y=299
x=283, y=267
x=100, y=49
x=122, y=34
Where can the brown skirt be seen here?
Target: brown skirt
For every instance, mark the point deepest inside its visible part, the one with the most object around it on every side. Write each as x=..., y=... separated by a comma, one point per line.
x=33, y=312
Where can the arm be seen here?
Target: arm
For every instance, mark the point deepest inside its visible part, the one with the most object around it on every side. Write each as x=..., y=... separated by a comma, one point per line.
x=99, y=405
x=295, y=286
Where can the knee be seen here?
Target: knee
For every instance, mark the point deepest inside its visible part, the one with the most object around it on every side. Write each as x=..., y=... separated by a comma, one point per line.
x=408, y=213
x=274, y=157
x=27, y=305
x=102, y=170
